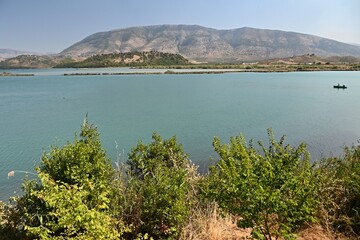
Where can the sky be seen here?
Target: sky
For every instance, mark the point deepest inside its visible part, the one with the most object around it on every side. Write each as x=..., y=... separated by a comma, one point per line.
x=51, y=26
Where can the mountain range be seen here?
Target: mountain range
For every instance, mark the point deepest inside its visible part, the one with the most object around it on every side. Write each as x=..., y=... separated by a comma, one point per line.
x=11, y=53
x=203, y=44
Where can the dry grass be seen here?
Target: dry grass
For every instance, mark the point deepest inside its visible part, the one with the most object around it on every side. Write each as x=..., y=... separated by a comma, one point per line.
x=317, y=232
x=209, y=224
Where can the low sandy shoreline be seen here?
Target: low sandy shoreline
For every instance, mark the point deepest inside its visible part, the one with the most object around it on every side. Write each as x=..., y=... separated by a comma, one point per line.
x=7, y=74
x=210, y=71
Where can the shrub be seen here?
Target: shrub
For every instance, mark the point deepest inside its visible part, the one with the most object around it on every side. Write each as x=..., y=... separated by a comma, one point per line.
x=7, y=228
x=69, y=215
x=71, y=200
x=339, y=178
x=156, y=191
x=272, y=190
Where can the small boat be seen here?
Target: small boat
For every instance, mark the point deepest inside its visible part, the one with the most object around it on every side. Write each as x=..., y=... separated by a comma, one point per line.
x=340, y=86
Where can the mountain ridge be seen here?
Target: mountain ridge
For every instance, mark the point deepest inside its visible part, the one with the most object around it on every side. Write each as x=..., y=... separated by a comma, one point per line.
x=6, y=53
x=200, y=43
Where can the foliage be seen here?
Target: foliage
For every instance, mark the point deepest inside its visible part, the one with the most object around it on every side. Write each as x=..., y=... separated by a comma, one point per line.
x=70, y=216
x=339, y=178
x=144, y=159
x=71, y=200
x=152, y=58
x=7, y=229
x=272, y=190
x=79, y=162
x=154, y=195
x=157, y=188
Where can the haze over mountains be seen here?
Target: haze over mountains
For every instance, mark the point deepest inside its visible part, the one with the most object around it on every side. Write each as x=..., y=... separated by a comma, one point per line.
x=11, y=53
x=207, y=44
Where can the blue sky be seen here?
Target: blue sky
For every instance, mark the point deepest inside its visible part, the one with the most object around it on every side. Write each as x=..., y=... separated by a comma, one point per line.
x=51, y=26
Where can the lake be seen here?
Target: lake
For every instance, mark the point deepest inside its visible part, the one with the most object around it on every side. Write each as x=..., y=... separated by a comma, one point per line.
x=48, y=108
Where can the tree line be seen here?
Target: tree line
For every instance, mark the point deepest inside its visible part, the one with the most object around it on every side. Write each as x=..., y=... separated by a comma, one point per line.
x=127, y=59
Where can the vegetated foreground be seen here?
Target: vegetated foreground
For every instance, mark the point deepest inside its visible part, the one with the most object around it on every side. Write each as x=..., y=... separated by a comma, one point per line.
x=268, y=191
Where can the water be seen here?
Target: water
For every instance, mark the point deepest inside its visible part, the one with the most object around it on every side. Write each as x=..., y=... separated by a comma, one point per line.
x=48, y=108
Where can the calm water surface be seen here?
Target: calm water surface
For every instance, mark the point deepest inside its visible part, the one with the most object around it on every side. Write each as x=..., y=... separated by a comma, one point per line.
x=48, y=108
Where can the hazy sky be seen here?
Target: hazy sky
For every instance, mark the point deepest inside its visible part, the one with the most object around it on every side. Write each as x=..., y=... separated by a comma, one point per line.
x=51, y=26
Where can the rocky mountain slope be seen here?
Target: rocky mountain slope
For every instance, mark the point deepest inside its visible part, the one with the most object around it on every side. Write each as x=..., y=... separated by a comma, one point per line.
x=207, y=44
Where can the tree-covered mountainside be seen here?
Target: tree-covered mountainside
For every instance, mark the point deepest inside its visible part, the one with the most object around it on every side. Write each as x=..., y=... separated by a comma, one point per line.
x=152, y=58
x=132, y=59
x=210, y=45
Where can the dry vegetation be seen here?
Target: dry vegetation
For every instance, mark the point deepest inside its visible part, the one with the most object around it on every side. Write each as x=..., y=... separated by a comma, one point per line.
x=210, y=223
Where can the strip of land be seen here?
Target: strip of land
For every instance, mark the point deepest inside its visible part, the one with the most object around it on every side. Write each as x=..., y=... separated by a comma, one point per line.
x=154, y=73
x=7, y=74
x=159, y=60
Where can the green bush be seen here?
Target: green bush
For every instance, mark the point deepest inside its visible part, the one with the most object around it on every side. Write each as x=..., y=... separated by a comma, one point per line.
x=272, y=190
x=339, y=178
x=69, y=215
x=71, y=199
x=155, y=193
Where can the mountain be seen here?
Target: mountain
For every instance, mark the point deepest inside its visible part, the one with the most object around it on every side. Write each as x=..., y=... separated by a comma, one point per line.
x=206, y=44
x=11, y=53
x=33, y=61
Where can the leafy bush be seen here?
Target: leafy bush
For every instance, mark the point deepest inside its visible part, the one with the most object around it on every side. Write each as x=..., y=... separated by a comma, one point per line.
x=156, y=191
x=82, y=162
x=69, y=215
x=71, y=200
x=339, y=178
x=272, y=190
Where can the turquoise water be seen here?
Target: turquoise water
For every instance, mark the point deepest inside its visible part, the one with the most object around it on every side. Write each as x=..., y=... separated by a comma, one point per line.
x=48, y=108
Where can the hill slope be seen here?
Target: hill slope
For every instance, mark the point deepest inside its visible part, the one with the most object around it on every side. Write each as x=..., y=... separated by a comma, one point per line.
x=33, y=61
x=207, y=44
x=128, y=59
x=11, y=53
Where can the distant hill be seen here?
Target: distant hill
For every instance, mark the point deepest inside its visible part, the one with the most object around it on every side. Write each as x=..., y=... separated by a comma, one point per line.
x=152, y=58
x=130, y=59
x=313, y=59
x=206, y=44
x=33, y=61
x=11, y=53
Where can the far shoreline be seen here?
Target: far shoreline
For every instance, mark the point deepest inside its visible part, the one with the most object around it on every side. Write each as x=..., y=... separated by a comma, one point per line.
x=180, y=70
x=9, y=74
x=208, y=71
